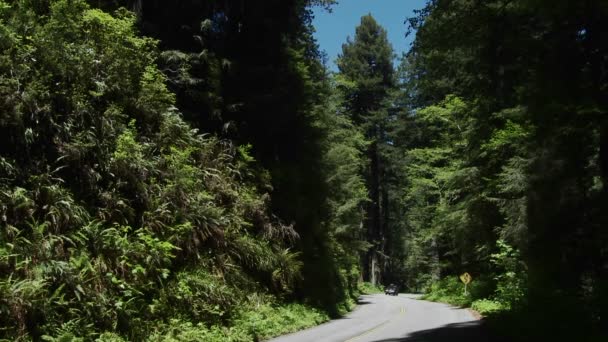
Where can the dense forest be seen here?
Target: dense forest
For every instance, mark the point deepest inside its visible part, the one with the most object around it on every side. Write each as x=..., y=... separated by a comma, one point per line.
x=193, y=171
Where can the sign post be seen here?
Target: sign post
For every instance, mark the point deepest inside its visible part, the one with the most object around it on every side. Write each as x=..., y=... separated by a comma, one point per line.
x=465, y=278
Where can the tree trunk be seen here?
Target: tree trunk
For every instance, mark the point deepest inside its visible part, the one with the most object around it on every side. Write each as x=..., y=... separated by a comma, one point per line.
x=384, y=230
x=603, y=160
x=136, y=6
x=373, y=214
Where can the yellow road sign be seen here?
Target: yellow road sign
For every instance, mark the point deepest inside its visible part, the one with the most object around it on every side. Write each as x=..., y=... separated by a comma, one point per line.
x=466, y=278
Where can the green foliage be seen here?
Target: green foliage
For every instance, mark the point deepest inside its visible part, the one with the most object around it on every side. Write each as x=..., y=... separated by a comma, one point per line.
x=522, y=171
x=442, y=230
x=364, y=86
x=179, y=331
x=449, y=290
x=488, y=307
x=511, y=279
x=119, y=221
x=116, y=215
x=256, y=322
x=276, y=106
x=347, y=195
x=509, y=291
x=369, y=288
x=265, y=321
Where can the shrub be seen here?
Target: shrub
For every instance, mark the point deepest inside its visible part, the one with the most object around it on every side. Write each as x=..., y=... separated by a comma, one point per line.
x=451, y=290
x=267, y=320
x=369, y=288
x=448, y=290
x=179, y=331
x=512, y=277
x=487, y=306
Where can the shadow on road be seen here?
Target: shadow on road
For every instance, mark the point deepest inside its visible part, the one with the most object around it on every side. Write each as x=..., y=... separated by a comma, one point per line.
x=458, y=332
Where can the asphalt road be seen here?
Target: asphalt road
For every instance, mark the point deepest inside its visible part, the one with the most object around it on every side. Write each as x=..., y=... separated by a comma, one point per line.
x=381, y=318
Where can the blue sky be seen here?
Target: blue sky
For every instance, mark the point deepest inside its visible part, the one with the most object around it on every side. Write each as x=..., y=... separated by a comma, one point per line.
x=333, y=28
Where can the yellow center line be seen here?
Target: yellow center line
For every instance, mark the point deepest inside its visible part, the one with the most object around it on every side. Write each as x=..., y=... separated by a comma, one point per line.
x=376, y=328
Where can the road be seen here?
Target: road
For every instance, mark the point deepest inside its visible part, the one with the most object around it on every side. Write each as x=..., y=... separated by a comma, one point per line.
x=403, y=318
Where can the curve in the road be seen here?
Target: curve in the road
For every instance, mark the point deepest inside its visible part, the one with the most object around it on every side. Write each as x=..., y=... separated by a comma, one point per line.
x=380, y=318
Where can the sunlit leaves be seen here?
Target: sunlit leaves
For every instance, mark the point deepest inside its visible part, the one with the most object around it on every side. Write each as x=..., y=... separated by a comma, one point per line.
x=111, y=206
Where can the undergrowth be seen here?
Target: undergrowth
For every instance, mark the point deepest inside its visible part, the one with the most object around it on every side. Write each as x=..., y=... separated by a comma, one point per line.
x=502, y=301
x=369, y=288
x=254, y=323
x=450, y=290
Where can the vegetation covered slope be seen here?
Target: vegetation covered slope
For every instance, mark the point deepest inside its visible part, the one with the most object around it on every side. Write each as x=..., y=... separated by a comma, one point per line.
x=116, y=215
x=250, y=72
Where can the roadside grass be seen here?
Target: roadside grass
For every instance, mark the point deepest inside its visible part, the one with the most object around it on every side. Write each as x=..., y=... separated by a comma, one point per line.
x=557, y=318
x=487, y=307
x=369, y=288
x=451, y=291
x=254, y=323
x=260, y=318
x=268, y=321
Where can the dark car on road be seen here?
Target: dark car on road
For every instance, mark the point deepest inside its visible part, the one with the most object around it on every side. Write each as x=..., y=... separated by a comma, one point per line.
x=391, y=290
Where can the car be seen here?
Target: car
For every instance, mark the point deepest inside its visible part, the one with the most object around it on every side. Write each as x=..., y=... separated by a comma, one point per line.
x=391, y=290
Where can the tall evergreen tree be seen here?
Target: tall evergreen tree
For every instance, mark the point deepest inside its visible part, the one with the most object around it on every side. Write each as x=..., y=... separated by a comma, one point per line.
x=536, y=137
x=366, y=78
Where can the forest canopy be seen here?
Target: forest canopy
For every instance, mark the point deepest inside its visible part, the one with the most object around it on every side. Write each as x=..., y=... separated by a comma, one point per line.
x=193, y=171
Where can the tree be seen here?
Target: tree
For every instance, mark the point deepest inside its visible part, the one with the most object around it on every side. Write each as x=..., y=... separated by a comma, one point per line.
x=536, y=135
x=366, y=78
